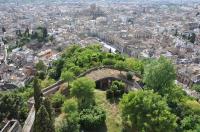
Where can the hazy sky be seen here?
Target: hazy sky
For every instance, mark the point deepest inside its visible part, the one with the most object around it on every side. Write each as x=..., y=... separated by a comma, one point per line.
x=138, y=1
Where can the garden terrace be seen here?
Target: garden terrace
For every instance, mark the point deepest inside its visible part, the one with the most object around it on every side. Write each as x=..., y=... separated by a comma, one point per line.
x=153, y=108
x=92, y=63
x=101, y=75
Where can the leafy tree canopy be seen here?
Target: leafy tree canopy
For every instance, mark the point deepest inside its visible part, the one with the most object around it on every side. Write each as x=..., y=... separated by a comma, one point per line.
x=159, y=75
x=67, y=76
x=135, y=65
x=70, y=106
x=92, y=118
x=40, y=66
x=42, y=121
x=83, y=90
x=191, y=123
x=147, y=111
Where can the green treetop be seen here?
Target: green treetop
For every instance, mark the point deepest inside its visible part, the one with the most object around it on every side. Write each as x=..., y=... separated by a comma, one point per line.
x=147, y=111
x=40, y=66
x=42, y=121
x=159, y=74
x=37, y=94
x=67, y=76
x=83, y=90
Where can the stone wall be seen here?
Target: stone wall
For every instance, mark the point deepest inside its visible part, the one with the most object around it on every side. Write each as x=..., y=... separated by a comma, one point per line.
x=101, y=67
x=28, y=125
x=12, y=126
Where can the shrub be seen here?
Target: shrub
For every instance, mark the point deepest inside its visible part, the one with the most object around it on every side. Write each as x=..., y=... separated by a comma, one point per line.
x=53, y=74
x=120, y=65
x=70, y=106
x=40, y=66
x=116, y=90
x=76, y=70
x=135, y=65
x=109, y=62
x=57, y=100
x=83, y=90
x=114, y=87
x=109, y=94
x=41, y=75
x=118, y=93
x=69, y=124
x=196, y=87
x=129, y=75
x=190, y=123
x=64, y=90
x=47, y=82
x=119, y=84
x=92, y=118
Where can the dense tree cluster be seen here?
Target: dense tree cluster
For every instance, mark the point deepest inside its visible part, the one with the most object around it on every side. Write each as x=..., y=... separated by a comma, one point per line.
x=92, y=118
x=160, y=75
x=12, y=105
x=77, y=60
x=167, y=105
x=42, y=75
x=40, y=35
x=44, y=121
x=189, y=36
x=145, y=110
x=161, y=105
x=81, y=111
x=40, y=66
x=196, y=87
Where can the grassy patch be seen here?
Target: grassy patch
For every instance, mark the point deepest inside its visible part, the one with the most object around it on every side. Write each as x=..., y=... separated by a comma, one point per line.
x=113, y=119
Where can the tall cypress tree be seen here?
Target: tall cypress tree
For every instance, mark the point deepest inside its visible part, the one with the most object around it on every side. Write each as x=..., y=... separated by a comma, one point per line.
x=37, y=94
x=27, y=32
x=42, y=121
x=45, y=32
x=3, y=29
x=48, y=106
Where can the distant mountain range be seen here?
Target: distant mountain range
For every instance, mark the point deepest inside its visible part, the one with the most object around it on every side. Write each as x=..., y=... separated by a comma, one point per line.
x=105, y=1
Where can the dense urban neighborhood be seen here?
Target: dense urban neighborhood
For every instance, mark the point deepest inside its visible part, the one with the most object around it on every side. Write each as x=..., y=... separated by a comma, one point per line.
x=97, y=66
